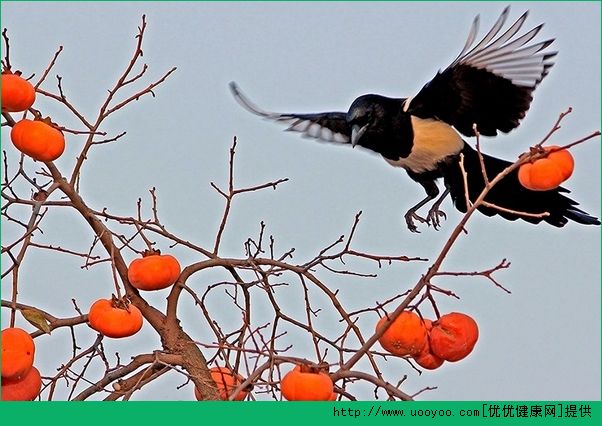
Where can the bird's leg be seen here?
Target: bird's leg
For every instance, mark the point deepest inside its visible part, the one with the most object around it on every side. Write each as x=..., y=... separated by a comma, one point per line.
x=434, y=213
x=431, y=192
x=411, y=215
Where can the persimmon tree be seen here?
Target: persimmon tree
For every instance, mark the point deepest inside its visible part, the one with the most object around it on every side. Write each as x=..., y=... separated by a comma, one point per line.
x=246, y=356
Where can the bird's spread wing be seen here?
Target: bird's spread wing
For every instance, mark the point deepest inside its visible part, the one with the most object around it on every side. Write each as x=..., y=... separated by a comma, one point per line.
x=489, y=83
x=327, y=126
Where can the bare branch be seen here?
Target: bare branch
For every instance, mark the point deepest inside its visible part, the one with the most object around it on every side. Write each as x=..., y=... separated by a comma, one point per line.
x=49, y=67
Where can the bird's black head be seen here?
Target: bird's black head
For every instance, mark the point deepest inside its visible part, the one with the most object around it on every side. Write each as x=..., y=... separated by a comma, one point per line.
x=380, y=124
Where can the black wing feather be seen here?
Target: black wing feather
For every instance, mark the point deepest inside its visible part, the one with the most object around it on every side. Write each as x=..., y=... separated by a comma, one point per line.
x=490, y=84
x=326, y=126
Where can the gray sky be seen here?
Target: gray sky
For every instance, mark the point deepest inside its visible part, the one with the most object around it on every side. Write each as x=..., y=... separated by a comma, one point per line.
x=541, y=342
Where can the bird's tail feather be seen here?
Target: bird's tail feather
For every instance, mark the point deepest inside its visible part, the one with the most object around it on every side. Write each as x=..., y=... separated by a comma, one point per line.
x=510, y=195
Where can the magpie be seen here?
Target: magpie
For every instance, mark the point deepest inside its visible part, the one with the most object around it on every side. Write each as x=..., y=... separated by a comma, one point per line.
x=488, y=86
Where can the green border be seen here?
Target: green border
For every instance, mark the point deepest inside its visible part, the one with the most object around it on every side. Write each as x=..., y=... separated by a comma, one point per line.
x=265, y=413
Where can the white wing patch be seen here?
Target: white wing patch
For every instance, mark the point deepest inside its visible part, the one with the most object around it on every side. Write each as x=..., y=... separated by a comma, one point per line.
x=508, y=56
x=406, y=104
x=310, y=129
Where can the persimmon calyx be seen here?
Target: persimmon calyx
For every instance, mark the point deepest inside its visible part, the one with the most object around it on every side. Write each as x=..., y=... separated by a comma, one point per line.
x=151, y=252
x=120, y=303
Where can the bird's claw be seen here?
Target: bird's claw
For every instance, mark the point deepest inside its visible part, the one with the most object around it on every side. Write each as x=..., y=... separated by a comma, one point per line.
x=410, y=216
x=432, y=218
x=434, y=215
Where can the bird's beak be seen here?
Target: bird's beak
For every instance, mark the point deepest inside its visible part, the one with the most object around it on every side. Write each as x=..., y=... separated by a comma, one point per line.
x=356, y=133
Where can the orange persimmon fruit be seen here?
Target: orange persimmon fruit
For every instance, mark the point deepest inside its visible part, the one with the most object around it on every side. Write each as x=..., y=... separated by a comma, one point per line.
x=453, y=336
x=154, y=271
x=25, y=389
x=18, y=94
x=426, y=358
x=226, y=382
x=305, y=383
x=549, y=172
x=405, y=336
x=39, y=139
x=18, y=350
x=114, y=318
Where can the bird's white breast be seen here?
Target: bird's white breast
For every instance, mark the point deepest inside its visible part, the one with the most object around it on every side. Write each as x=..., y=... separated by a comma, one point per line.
x=433, y=141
